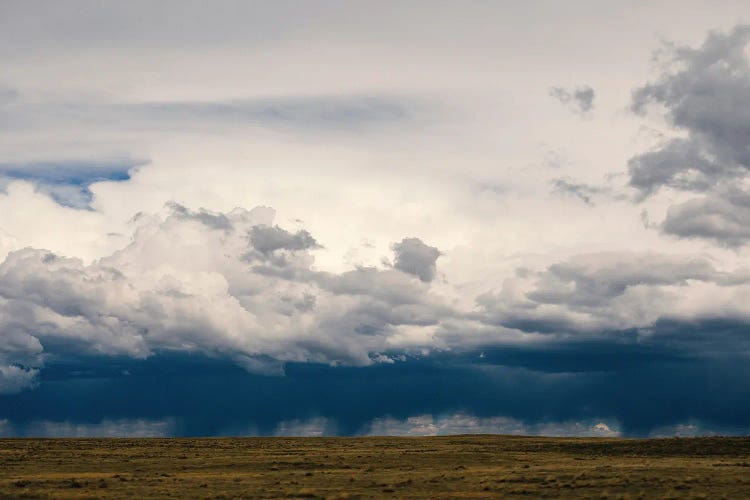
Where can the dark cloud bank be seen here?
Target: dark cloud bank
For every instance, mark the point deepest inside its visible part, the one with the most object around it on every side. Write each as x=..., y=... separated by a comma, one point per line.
x=641, y=388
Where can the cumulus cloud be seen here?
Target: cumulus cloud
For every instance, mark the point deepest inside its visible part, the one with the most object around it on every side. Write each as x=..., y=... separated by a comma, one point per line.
x=578, y=99
x=229, y=284
x=595, y=278
x=722, y=216
x=704, y=93
x=268, y=239
x=415, y=257
x=611, y=291
x=235, y=286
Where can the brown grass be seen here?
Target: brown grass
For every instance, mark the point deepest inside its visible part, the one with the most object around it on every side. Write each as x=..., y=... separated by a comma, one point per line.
x=439, y=467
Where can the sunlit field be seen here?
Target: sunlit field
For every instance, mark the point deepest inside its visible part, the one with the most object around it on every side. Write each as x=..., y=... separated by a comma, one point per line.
x=424, y=467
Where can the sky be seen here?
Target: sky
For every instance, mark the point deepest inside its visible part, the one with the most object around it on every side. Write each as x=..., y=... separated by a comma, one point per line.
x=392, y=218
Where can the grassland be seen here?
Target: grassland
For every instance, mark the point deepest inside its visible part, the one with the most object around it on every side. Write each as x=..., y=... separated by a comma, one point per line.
x=433, y=467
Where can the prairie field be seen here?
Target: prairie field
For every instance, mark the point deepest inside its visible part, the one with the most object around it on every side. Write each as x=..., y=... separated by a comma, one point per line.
x=477, y=466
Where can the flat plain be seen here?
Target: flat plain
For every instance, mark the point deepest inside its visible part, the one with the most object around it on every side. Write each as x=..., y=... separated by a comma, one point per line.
x=481, y=466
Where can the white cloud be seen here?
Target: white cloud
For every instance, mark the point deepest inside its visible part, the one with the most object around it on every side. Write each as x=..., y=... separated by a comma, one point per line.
x=236, y=286
x=459, y=423
x=230, y=284
x=592, y=293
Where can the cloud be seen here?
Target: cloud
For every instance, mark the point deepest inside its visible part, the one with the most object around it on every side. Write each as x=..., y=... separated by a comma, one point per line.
x=137, y=428
x=235, y=286
x=208, y=219
x=722, y=216
x=578, y=99
x=608, y=291
x=594, y=278
x=20, y=356
x=415, y=257
x=267, y=239
x=536, y=384
x=703, y=93
x=585, y=192
x=103, y=319
x=428, y=425
x=335, y=113
x=448, y=425
x=14, y=378
x=229, y=284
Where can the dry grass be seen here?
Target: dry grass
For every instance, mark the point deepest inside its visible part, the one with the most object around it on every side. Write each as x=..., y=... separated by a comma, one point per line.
x=439, y=467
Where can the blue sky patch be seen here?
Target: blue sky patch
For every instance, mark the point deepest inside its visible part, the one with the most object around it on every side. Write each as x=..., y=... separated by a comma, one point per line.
x=68, y=181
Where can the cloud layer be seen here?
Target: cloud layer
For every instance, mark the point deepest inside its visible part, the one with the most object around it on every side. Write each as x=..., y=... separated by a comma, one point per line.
x=489, y=217
x=228, y=284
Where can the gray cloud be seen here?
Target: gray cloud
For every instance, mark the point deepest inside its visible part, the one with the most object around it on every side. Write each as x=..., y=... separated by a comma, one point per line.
x=704, y=93
x=233, y=285
x=268, y=239
x=596, y=293
x=205, y=217
x=160, y=294
x=228, y=284
x=323, y=113
x=722, y=216
x=579, y=99
x=20, y=352
x=593, y=279
x=415, y=257
x=680, y=164
x=584, y=192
